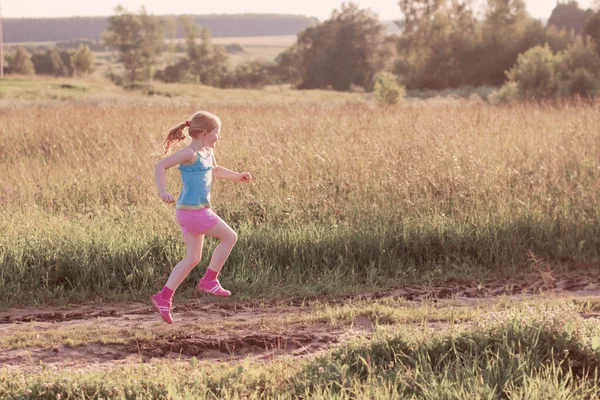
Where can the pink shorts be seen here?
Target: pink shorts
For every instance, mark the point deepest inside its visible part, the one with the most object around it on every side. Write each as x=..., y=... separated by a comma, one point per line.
x=196, y=221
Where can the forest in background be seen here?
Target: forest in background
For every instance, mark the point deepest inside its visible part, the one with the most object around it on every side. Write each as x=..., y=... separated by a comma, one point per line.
x=441, y=45
x=19, y=30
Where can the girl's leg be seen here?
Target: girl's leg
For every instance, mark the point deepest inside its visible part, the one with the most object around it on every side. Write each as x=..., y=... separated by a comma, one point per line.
x=193, y=253
x=228, y=237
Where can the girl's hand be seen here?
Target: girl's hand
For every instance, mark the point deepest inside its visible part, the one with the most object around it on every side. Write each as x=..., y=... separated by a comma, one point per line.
x=167, y=197
x=245, y=177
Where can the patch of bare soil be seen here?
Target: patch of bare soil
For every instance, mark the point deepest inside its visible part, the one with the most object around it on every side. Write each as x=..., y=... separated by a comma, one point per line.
x=293, y=340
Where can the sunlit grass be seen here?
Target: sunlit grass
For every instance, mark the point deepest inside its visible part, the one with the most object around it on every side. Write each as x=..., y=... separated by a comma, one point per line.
x=347, y=195
x=529, y=352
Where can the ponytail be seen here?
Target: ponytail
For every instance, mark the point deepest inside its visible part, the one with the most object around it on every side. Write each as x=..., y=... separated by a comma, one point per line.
x=174, y=136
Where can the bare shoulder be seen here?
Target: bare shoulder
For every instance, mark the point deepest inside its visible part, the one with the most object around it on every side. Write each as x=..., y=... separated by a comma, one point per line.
x=183, y=156
x=191, y=154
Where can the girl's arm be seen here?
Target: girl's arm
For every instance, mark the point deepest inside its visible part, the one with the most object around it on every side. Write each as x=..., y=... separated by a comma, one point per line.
x=224, y=173
x=160, y=171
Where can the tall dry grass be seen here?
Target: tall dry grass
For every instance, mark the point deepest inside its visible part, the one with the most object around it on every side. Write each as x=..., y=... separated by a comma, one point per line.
x=345, y=195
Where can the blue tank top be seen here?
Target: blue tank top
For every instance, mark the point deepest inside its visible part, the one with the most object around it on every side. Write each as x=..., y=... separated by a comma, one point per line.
x=196, y=180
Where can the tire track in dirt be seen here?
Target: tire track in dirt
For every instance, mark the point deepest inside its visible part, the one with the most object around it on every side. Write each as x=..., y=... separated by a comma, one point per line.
x=185, y=347
x=290, y=340
x=580, y=282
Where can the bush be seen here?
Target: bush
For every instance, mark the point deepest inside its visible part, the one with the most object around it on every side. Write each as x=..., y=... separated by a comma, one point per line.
x=234, y=48
x=83, y=60
x=387, y=89
x=582, y=54
x=114, y=77
x=253, y=74
x=505, y=94
x=57, y=62
x=539, y=73
x=20, y=62
x=178, y=72
x=581, y=83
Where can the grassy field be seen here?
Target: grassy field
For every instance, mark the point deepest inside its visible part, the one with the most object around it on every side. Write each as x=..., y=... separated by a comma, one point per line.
x=257, y=47
x=346, y=194
x=348, y=198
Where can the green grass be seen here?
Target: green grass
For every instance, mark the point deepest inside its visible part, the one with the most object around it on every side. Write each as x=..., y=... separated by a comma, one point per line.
x=541, y=353
x=347, y=196
x=132, y=254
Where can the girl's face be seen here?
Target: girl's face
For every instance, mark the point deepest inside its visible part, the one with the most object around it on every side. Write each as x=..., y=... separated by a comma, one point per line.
x=212, y=137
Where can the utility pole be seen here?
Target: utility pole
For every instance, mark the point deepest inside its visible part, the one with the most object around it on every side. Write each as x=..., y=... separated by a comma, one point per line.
x=1, y=46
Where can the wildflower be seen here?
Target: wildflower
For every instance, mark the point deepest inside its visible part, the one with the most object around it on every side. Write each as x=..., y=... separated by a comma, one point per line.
x=321, y=370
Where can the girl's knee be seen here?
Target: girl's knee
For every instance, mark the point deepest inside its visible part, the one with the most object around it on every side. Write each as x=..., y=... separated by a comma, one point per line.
x=193, y=259
x=232, y=237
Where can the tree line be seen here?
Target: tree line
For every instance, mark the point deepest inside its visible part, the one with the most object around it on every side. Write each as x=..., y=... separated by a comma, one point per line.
x=52, y=61
x=20, y=30
x=443, y=44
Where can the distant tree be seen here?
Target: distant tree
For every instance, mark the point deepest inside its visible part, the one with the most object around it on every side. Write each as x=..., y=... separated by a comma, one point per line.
x=139, y=39
x=84, y=60
x=20, y=62
x=442, y=48
x=48, y=62
x=445, y=44
x=541, y=73
x=592, y=29
x=289, y=66
x=171, y=23
x=559, y=40
x=345, y=50
x=253, y=74
x=208, y=63
x=66, y=57
x=418, y=13
x=507, y=32
x=568, y=15
x=178, y=72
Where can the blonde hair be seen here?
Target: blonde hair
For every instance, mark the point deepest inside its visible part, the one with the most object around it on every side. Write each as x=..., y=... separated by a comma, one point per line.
x=202, y=121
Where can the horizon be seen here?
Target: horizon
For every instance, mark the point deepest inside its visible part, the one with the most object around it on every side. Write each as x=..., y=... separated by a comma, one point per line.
x=386, y=10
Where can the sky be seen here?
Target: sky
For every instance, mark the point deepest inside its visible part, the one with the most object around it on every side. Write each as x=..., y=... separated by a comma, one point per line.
x=386, y=9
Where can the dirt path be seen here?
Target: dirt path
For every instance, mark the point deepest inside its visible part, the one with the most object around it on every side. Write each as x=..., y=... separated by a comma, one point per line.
x=230, y=330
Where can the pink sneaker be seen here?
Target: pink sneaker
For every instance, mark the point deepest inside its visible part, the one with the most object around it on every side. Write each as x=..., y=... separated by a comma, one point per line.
x=212, y=287
x=163, y=307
